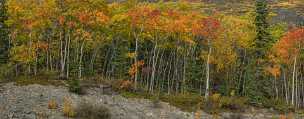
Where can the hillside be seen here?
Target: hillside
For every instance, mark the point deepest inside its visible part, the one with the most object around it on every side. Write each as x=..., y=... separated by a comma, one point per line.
x=138, y=59
x=282, y=10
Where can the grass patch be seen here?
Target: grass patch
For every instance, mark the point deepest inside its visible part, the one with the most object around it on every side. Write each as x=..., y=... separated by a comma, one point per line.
x=278, y=104
x=186, y=102
x=190, y=102
x=88, y=110
x=143, y=95
x=24, y=81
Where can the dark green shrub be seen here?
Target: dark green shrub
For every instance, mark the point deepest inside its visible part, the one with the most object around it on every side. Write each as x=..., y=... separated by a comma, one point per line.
x=87, y=110
x=216, y=102
x=186, y=102
x=74, y=86
x=123, y=85
x=212, y=105
x=277, y=104
x=233, y=103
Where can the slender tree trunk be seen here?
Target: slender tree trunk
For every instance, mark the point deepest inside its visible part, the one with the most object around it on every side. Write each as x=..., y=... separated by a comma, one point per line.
x=80, y=60
x=136, y=60
x=153, y=68
x=293, y=81
x=184, y=74
x=286, y=88
x=296, y=90
x=36, y=64
x=62, y=63
x=208, y=73
x=16, y=69
x=68, y=56
x=169, y=71
x=276, y=87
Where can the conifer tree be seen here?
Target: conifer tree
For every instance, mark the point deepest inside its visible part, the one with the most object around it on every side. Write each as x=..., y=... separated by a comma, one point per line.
x=263, y=38
x=4, y=39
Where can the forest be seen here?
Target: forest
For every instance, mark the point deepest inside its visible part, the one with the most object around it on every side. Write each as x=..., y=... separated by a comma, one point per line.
x=163, y=47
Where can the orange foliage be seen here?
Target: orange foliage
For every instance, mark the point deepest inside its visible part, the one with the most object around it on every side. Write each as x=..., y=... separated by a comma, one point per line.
x=101, y=17
x=274, y=70
x=134, y=68
x=61, y=20
x=290, y=44
x=142, y=15
x=40, y=45
x=126, y=85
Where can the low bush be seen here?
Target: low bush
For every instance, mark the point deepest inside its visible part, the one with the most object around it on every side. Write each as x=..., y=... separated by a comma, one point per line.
x=277, y=104
x=216, y=102
x=233, y=103
x=212, y=105
x=144, y=95
x=186, y=102
x=52, y=104
x=68, y=109
x=87, y=110
x=29, y=80
x=75, y=87
x=123, y=85
x=198, y=114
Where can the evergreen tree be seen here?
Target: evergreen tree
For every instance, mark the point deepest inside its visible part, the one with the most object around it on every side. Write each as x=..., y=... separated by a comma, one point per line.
x=4, y=38
x=263, y=38
x=263, y=42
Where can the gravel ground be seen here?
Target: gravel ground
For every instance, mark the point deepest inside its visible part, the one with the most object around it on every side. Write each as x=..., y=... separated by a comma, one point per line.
x=27, y=102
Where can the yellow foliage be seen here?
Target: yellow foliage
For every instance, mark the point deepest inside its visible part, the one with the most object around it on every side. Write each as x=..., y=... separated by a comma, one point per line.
x=274, y=70
x=131, y=54
x=216, y=97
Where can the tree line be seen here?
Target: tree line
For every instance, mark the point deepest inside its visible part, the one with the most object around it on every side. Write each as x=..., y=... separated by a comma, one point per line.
x=170, y=47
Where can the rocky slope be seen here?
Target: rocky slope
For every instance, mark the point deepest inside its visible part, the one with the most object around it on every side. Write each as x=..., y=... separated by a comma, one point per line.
x=27, y=102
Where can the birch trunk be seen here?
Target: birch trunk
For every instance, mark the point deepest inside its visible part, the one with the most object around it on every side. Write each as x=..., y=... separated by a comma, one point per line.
x=293, y=81
x=207, y=75
x=80, y=61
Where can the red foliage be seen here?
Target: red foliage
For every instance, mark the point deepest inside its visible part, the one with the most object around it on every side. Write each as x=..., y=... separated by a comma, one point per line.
x=61, y=20
x=83, y=17
x=207, y=27
x=290, y=43
x=145, y=16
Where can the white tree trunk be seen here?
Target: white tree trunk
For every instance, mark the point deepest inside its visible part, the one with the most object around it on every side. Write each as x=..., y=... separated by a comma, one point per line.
x=80, y=61
x=136, y=60
x=207, y=75
x=293, y=81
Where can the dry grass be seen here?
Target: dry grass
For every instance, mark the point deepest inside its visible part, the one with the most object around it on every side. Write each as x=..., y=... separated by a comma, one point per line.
x=68, y=109
x=41, y=115
x=89, y=110
x=287, y=4
x=52, y=104
x=198, y=114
